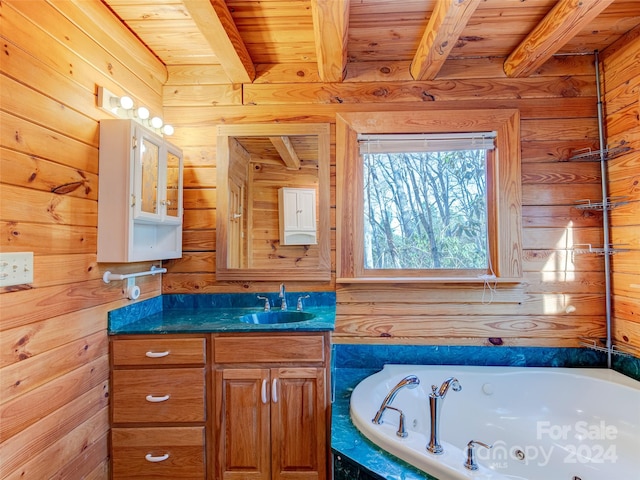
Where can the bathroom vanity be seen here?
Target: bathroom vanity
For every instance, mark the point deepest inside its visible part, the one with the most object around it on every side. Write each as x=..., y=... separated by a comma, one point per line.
x=198, y=393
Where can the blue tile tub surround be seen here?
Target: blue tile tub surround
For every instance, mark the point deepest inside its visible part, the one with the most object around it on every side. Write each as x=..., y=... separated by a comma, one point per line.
x=203, y=313
x=627, y=365
x=355, y=362
x=376, y=356
x=354, y=456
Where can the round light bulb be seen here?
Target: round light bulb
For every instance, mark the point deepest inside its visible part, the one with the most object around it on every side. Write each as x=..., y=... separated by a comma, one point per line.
x=156, y=122
x=143, y=113
x=126, y=102
x=167, y=129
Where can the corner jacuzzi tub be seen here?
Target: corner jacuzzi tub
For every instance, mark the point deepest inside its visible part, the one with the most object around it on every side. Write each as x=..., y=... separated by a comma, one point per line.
x=542, y=423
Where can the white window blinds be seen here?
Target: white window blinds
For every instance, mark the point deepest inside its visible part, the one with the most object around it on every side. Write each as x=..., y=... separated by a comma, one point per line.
x=425, y=142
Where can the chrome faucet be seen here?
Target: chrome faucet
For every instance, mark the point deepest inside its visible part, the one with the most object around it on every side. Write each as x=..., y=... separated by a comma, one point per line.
x=299, y=306
x=436, y=397
x=283, y=296
x=410, y=381
x=470, y=463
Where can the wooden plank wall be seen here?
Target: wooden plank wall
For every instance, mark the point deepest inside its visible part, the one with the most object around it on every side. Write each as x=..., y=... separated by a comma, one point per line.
x=561, y=296
x=54, y=365
x=53, y=343
x=621, y=78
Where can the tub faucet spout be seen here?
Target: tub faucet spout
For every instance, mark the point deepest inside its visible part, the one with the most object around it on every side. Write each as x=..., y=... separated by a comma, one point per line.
x=436, y=398
x=410, y=381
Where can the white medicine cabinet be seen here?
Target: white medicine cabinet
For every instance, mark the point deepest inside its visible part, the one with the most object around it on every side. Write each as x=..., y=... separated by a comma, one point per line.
x=297, y=209
x=140, y=194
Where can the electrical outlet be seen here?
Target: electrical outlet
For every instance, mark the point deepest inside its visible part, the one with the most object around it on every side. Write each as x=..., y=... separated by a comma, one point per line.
x=16, y=268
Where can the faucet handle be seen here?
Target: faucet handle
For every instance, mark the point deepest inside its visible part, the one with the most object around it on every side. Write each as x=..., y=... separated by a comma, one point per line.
x=267, y=305
x=470, y=463
x=299, y=304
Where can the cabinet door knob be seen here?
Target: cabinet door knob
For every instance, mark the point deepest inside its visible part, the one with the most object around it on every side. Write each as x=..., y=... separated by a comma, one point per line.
x=274, y=390
x=154, y=399
x=264, y=391
x=157, y=354
x=153, y=459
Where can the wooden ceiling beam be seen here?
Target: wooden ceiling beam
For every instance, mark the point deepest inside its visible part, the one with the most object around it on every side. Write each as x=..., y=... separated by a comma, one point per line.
x=285, y=148
x=216, y=24
x=330, y=28
x=445, y=25
x=561, y=24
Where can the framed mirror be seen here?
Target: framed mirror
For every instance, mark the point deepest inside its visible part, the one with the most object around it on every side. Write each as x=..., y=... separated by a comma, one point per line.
x=262, y=170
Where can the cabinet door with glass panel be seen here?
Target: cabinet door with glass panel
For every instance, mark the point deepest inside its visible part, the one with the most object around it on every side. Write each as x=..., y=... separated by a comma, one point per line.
x=157, y=196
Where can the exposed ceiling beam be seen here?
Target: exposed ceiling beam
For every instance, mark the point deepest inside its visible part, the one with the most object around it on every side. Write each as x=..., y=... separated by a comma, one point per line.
x=330, y=28
x=561, y=24
x=285, y=148
x=447, y=21
x=216, y=24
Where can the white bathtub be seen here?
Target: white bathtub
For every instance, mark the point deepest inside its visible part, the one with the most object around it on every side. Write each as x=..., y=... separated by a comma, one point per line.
x=544, y=423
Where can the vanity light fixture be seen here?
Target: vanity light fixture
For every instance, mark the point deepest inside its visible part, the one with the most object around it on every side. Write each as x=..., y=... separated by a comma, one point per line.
x=143, y=113
x=125, y=107
x=156, y=122
x=124, y=102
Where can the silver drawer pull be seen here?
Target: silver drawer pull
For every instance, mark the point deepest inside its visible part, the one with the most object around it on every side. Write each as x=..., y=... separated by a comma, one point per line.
x=150, y=458
x=157, y=354
x=154, y=399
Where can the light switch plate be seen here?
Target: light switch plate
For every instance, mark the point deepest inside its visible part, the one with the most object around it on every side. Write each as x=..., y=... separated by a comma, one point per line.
x=16, y=268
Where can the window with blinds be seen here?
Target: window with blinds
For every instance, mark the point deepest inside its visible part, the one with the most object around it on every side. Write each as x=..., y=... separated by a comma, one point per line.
x=425, y=201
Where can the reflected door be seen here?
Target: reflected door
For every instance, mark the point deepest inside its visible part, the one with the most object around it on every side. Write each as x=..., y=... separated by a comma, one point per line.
x=235, y=248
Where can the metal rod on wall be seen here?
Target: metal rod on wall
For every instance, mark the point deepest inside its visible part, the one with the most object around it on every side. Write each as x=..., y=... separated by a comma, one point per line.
x=605, y=216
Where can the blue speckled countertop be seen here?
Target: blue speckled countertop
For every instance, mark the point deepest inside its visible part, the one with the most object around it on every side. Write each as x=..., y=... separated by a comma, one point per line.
x=209, y=313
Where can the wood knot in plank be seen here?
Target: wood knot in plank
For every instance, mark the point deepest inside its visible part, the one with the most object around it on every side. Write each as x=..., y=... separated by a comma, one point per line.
x=67, y=188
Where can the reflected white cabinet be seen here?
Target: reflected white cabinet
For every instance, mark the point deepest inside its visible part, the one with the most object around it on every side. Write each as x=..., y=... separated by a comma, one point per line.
x=297, y=208
x=140, y=194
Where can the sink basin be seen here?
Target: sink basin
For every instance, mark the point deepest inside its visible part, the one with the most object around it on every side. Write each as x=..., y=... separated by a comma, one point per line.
x=276, y=317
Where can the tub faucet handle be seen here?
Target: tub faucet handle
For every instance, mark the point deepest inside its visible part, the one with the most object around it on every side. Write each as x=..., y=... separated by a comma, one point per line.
x=470, y=463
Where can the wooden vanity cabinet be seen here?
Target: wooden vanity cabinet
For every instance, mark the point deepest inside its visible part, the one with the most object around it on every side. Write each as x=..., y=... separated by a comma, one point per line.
x=271, y=406
x=256, y=408
x=158, y=407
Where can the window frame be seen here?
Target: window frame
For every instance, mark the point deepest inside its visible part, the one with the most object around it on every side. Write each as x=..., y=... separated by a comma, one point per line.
x=504, y=198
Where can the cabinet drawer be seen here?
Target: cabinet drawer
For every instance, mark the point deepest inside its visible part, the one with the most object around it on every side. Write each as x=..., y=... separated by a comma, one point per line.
x=158, y=395
x=160, y=351
x=169, y=453
x=271, y=349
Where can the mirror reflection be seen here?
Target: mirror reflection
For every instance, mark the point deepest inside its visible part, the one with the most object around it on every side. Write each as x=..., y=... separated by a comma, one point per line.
x=273, y=202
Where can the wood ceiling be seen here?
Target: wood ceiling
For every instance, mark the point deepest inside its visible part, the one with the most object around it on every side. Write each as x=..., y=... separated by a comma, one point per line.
x=294, y=151
x=245, y=41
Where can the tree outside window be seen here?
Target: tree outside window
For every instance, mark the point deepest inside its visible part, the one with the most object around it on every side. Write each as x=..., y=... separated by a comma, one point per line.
x=425, y=210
